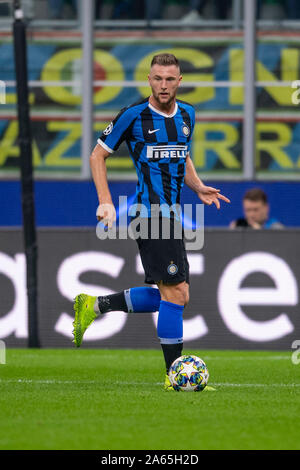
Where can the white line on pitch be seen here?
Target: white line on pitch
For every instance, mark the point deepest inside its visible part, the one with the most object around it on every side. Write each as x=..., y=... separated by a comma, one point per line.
x=99, y=382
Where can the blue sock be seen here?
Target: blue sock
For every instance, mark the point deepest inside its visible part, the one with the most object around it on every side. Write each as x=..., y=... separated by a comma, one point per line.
x=142, y=299
x=170, y=331
x=170, y=323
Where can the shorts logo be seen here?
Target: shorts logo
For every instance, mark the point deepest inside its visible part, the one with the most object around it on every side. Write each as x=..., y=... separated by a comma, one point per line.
x=172, y=269
x=185, y=129
x=109, y=128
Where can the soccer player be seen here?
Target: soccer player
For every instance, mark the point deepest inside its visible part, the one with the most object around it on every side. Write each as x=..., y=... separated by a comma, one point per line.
x=158, y=133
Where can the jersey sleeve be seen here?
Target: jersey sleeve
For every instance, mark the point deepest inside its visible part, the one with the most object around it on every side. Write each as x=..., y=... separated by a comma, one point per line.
x=188, y=115
x=117, y=131
x=192, y=119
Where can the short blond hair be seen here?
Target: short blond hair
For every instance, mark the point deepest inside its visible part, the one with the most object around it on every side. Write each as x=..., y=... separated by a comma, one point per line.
x=165, y=59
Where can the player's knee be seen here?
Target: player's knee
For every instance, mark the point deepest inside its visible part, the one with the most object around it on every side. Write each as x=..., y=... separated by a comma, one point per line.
x=178, y=294
x=183, y=293
x=187, y=297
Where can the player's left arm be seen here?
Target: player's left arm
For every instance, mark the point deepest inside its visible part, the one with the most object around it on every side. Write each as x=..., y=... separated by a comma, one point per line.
x=206, y=194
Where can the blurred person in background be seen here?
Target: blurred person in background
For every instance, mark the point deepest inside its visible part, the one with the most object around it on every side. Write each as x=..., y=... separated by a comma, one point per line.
x=196, y=7
x=156, y=9
x=6, y=9
x=153, y=9
x=278, y=9
x=128, y=9
x=56, y=8
x=256, y=212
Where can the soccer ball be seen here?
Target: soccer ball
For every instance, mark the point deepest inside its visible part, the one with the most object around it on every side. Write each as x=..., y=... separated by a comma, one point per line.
x=188, y=373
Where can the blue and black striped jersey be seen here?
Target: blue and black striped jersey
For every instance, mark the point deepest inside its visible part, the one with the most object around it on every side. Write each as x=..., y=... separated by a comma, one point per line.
x=158, y=145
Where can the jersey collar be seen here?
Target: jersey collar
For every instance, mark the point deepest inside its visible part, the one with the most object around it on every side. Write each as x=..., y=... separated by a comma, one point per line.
x=164, y=114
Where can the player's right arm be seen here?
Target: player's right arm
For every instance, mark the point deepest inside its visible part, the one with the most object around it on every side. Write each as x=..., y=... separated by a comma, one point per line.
x=106, y=211
x=110, y=140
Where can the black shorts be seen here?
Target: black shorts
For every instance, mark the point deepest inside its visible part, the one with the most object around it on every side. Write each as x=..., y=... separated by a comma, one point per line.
x=164, y=260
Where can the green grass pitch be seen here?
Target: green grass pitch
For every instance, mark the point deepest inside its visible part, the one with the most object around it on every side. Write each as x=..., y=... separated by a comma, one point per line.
x=108, y=399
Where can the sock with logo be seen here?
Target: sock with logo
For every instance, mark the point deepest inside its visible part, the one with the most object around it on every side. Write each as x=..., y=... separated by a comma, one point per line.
x=170, y=331
x=136, y=299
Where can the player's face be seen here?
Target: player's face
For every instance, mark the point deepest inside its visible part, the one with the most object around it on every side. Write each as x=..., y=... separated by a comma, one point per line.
x=164, y=81
x=255, y=211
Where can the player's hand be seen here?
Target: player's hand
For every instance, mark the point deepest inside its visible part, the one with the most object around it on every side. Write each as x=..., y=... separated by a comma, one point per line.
x=209, y=196
x=106, y=213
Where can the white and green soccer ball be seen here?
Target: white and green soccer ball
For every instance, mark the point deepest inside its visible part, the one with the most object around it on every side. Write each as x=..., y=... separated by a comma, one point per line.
x=188, y=373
